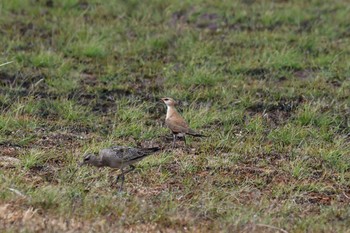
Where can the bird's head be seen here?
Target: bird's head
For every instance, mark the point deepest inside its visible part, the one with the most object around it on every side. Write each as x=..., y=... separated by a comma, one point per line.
x=168, y=101
x=87, y=159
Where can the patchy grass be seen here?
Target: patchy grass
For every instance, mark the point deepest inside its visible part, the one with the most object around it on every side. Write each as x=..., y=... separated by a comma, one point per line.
x=267, y=81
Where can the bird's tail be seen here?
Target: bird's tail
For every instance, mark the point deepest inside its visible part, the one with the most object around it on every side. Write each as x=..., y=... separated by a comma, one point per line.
x=195, y=134
x=151, y=150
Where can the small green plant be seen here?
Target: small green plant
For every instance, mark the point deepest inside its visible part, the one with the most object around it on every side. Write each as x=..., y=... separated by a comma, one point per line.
x=33, y=159
x=288, y=135
x=47, y=59
x=89, y=49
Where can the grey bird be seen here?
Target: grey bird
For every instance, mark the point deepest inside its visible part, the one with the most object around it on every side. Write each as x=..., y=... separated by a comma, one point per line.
x=118, y=157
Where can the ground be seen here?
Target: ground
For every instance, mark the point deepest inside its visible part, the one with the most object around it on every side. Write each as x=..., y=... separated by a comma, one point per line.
x=267, y=81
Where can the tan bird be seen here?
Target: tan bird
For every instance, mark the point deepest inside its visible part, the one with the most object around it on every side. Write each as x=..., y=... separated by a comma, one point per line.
x=176, y=123
x=118, y=157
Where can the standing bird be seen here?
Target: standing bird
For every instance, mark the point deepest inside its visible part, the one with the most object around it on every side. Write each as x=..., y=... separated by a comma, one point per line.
x=118, y=157
x=176, y=123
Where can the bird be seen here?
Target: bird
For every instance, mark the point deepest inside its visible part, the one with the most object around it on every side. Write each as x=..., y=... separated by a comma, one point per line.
x=176, y=123
x=118, y=157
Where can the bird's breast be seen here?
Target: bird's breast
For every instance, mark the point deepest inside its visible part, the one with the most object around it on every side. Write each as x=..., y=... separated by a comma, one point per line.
x=170, y=112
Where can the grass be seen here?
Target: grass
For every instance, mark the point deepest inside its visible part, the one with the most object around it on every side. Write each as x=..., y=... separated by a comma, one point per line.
x=267, y=81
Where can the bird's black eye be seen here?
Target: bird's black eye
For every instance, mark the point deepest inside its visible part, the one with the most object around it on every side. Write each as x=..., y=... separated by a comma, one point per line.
x=87, y=158
x=166, y=99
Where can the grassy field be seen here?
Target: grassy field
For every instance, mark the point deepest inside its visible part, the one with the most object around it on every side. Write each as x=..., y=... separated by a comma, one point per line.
x=269, y=81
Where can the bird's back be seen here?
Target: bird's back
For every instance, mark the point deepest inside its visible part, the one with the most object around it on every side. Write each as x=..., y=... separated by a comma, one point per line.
x=120, y=156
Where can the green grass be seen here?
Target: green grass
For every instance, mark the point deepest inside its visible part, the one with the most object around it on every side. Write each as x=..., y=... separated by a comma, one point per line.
x=267, y=81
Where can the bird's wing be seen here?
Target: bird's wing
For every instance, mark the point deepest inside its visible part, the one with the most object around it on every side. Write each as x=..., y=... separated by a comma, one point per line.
x=119, y=149
x=120, y=156
x=177, y=124
x=129, y=153
x=150, y=150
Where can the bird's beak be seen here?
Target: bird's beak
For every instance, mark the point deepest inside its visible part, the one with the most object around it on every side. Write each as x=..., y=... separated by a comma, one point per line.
x=80, y=164
x=161, y=100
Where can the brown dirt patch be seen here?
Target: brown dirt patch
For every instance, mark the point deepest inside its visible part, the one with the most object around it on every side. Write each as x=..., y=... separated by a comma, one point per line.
x=276, y=112
x=9, y=162
x=8, y=150
x=303, y=74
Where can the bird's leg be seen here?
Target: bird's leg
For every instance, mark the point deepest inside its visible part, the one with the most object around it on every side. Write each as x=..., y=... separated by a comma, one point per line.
x=185, y=140
x=118, y=176
x=174, y=139
x=122, y=176
x=121, y=185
